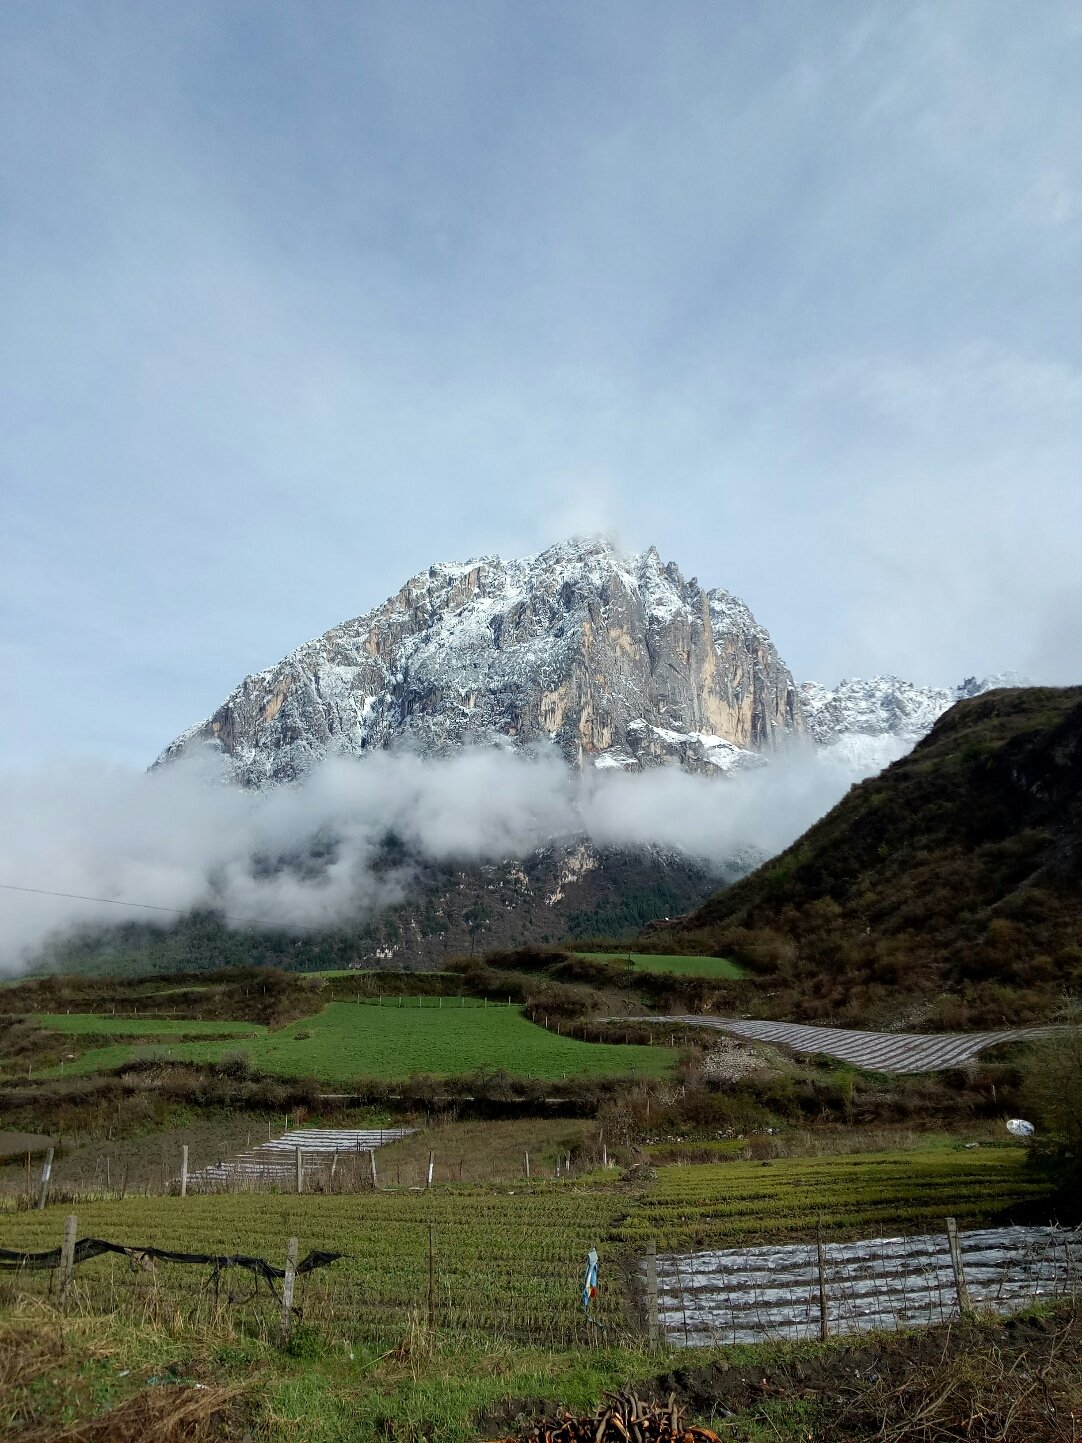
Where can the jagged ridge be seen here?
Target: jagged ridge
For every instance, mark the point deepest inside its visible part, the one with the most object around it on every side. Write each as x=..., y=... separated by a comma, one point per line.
x=618, y=660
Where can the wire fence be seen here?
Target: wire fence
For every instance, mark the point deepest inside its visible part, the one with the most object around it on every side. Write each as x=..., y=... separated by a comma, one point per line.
x=302, y=1159
x=509, y=1268
x=399, y=1278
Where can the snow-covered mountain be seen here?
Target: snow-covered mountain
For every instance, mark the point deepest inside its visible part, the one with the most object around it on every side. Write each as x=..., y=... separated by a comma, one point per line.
x=875, y=721
x=617, y=659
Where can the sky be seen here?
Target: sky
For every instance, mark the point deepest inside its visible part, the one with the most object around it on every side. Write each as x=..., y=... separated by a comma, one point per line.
x=298, y=299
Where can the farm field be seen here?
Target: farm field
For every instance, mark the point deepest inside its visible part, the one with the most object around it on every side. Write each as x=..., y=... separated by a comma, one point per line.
x=866, y=1194
x=347, y=1040
x=508, y=1257
x=873, y=1051
x=507, y=1261
x=720, y=967
x=504, y=1285
x=95, y=1023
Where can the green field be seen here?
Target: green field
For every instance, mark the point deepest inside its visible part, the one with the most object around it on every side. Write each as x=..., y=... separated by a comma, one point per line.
x=719, y=967
x=508, y=1260
x=501, y=1285
x=863, y=1195
x=347, y=1040
x=82, y=1023
x=505, y=1262
x=507, y=1254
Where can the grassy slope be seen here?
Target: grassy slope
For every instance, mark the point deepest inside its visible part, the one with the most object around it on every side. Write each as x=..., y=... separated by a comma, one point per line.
x=348, y=1040
x=958, y=867
x=679, y=966
x=79, y=1023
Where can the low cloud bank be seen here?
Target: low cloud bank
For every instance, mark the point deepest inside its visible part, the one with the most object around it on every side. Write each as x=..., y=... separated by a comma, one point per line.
x=182, y=837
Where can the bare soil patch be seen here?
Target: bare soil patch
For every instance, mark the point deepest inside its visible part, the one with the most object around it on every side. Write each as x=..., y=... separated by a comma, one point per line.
x=18, y=1144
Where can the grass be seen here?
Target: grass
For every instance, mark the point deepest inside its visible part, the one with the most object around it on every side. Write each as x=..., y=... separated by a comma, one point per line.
x=861, y=1195
x=348, y=1040
x=720, y=967
x=80, y=1023
x=935, y=1387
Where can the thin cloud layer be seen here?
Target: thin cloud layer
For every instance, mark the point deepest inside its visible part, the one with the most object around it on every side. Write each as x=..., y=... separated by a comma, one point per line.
x=180, y=837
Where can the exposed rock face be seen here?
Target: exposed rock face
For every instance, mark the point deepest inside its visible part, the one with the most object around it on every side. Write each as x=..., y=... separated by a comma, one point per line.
x=618, y=660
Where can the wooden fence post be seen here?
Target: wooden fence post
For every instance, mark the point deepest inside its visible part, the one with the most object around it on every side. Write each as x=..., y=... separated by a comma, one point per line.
x=372, y=1164
x=286, y=1325
x=824, y=1319
x=526, y=1159
x=184, y=1170
x=67, y=1259
x=431, y=1277
x=46, y=1174
x=653, y=1321
x=964, y=1304
x=431, y=1166
x=300, y=1169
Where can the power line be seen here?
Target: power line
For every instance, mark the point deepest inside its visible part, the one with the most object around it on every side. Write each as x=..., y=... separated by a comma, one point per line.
x=113, y=901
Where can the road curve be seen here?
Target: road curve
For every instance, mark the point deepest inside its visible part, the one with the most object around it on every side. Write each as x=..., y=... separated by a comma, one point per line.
x=874, y=1051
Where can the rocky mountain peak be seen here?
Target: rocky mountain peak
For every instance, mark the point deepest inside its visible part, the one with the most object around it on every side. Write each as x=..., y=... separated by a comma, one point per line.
x=615, y=658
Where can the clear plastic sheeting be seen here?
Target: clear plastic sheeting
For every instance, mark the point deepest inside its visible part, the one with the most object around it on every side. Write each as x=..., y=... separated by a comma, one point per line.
x=276, y=1160
x=753, y=1294
x=874, y=1051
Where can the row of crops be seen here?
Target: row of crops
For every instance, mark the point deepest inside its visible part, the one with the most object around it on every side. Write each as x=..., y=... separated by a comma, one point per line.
x=474, y=1263
x=484, y=1262
x=867, y=1194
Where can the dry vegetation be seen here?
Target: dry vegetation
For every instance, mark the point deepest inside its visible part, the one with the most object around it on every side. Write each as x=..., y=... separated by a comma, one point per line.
x=946, y=892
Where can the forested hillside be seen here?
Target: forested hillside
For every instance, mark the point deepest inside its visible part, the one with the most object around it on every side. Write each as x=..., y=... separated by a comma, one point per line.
x=945, y=891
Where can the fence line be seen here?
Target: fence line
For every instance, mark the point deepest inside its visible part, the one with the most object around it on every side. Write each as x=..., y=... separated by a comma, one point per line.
x=336, y=1160
x=809, y=1290
x=430, y=1286
x=401, y=1273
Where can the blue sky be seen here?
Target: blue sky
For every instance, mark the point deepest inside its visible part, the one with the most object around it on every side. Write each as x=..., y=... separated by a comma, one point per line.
x=296, y=299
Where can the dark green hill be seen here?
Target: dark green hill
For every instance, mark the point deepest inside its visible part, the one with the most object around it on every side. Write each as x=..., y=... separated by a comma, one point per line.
x=946, y=891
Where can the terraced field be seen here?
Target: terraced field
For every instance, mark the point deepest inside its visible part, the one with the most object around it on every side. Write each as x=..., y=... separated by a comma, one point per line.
x=508, y=1258
x=873, y=1051
x=80, y=1024
x=870, y=1194
x=348, y=1040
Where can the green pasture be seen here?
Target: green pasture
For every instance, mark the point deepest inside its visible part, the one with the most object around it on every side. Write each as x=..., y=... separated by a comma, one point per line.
x=347, y=1040
x=719, y=967
x=95, y=1023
